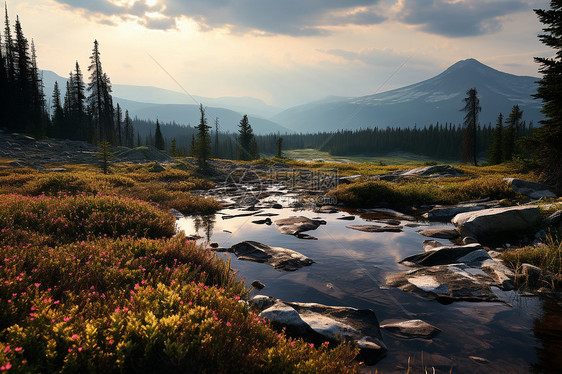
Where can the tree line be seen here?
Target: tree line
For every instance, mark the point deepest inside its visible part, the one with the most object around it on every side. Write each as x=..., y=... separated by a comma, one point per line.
x=86, y=112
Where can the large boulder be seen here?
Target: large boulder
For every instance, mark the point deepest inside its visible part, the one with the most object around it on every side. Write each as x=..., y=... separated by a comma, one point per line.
x=532, y=189
x=296, y=225
x=318, y=323
x=472, y=254
x=279, y=258
x=446, y=283
x=488, y=224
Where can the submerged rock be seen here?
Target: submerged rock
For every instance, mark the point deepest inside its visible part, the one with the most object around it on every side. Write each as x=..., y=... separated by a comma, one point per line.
x=440, y=233
x=296, y=225
x=415, y=328
x=279, y=258
x=318, y=323
x=446, y=283
x=375, y=228
x=489, y=223
x=230, y=216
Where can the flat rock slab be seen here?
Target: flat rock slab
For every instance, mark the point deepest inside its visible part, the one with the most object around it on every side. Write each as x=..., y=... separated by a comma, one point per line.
x=318, y=323
x=440, y=233
x=347, y=218
x=230, y=216
x=428, y=245
x=469, y=254
x=486, y=224
x=414, y=328
x=279, y=258
x=389, y=222
x=385, y=212
x=327, y=209
x=375, y=228
x=445, y=213
x=446, y=283
x=296, y=225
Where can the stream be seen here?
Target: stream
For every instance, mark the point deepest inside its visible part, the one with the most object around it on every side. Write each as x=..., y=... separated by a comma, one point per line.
x=519, y=335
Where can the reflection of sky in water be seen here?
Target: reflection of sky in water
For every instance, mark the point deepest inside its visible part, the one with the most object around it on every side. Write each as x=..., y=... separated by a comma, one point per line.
x=350, y=269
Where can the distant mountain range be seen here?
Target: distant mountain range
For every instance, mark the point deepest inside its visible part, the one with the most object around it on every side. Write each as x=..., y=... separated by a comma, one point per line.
x=147, y=102
x=438, y=99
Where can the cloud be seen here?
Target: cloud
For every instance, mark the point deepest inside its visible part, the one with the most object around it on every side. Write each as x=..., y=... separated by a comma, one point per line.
x=458, y=18
x=288, y=17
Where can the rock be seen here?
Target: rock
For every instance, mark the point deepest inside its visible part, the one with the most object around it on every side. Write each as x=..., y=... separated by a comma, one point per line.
x=437, y=171
x=214, y=245
x=266, y=221
x=532, y=189
x=230, y=216
x=277, y=206
x=489, y=223
x=446, y=283
x=301, y=235
x=440, y=233
x=388, y=213
x=531, y=273
x=279, y=258
x=177, y=213
x=554, y=220
x=258, y=285
x=501, y=273
x=469, y=240
x=375, y=228
x=414, y=328
x=445, y=213
x=267, y=214
x=390, y=222
x=156, y=168
x=468, y=254
x=318, y=323
x=326, y=209
x=428, y=245
x=347, y=218
x=296, y=225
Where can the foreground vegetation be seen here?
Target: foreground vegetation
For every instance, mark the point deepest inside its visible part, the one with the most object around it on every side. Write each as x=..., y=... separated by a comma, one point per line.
x=94, y=281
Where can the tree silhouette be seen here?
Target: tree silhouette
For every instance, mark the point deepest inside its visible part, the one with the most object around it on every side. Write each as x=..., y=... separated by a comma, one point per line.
x=512, y=132
x=247, y=145
x=472, y=108
x=158, y=138
x=202, y=146
x=495, y=153
x=546, y=141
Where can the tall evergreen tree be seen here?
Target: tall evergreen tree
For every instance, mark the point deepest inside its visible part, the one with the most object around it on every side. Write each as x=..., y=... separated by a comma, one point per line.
x=119, y=124
x=158, y=138
x=77, y=121
x=216, y=137
x=99, y=99
x=4, y=90
x=495, y=153
x=202, y=149
x=247, y=147
x=512, y=131
x=472, y=108
x=58, y=112
x=546, y=141
x=129, y=131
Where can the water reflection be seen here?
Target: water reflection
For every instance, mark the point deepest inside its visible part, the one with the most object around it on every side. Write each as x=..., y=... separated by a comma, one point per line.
x=350, y=270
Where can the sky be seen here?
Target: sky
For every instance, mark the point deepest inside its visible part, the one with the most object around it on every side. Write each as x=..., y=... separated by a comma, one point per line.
x=285, y=52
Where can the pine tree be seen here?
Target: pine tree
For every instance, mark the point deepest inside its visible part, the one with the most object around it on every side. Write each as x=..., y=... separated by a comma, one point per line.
x=247, y=147
x=77, y=125
x=173, y=148
x=203, y=143
x=546, y=141
x=472, y=108
x=4, y=90
x=99, y=100
x=512, y=130
x=279, y=153
x=119, y=124
x=158, y=138
x=58, y=112
x=495, y=153
x=129, y=131
x=216, y=137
